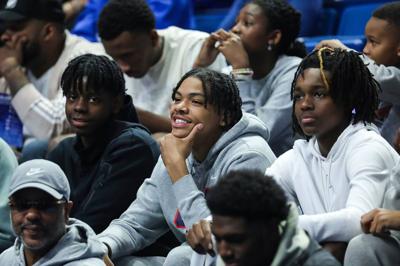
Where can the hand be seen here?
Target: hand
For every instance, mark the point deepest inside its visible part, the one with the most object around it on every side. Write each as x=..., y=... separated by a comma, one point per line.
x=174, y=152
x=332, y=44
x=379, y=221
x=208, y=52
x=337, y=249
x=232, y=48
x=11, y=52
x=199, y=238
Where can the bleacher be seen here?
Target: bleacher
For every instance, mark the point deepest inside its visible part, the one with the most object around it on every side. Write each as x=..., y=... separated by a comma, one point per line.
x=321, y=19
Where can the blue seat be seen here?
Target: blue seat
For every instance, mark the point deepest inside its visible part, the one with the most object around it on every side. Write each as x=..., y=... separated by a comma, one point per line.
x=355, y=42
x=354, y=18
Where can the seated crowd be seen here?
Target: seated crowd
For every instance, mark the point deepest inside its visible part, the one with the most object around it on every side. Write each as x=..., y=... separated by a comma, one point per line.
x=178, y=147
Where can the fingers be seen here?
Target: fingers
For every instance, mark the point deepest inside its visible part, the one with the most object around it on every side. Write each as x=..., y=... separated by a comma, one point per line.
x=199, y=238
x=190, y=138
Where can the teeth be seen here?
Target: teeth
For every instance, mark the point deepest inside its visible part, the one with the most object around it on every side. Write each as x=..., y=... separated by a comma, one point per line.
x=181, y=121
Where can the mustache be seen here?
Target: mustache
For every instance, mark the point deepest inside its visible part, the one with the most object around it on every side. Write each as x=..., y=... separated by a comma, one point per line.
x=30, y=224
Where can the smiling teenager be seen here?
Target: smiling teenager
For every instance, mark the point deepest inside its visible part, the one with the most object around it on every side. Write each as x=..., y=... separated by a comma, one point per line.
x=341, y=169
x=210, y=136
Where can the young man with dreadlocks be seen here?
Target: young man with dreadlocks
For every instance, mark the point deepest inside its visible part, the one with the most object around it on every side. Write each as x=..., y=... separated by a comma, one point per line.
x=210, y=136
x=109, y=158
x=341, y=169
x=381, y=54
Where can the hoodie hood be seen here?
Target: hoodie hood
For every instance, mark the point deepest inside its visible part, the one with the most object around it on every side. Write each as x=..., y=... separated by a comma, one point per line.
x=303, y=146
x=248, y=125
x=78, y=244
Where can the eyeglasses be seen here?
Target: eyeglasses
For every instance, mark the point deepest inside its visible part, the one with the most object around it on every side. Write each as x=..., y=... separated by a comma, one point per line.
x=43, y=206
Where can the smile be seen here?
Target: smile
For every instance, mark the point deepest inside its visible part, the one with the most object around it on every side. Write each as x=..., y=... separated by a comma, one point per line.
x=180, y=122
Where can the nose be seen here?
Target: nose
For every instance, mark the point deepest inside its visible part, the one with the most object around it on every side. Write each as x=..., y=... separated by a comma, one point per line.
x=366, y=49
x=181, y=107
x=236, y=28
x=124, y=66
x=81, y=105
x=224, y=249
x=32, y=214
x=307, y=103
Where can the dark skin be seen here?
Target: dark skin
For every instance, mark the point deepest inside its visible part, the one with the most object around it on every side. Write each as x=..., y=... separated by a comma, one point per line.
x=245, y=46
x=44, y=39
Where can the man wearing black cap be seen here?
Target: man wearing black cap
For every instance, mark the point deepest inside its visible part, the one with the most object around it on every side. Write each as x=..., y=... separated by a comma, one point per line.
x=36, y=49
x=39, y=201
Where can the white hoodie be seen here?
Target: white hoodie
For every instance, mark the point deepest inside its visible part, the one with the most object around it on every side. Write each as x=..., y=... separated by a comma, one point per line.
x=333, y=192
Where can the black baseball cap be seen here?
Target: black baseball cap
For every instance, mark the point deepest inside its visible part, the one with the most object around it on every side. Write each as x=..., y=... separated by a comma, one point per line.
x=47, y=10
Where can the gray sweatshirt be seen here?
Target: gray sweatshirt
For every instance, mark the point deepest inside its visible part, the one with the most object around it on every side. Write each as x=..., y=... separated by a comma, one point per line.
x=161, y=205
x=78, y=247
x=269, y=99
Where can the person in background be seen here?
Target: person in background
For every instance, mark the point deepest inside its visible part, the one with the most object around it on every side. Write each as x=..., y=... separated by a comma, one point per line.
x=154, y=60
x=264, y=55
x=8, y=163
x=40, y=206
x=381, y=54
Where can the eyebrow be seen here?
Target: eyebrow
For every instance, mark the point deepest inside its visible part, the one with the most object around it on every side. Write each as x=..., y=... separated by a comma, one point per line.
x=191, y=95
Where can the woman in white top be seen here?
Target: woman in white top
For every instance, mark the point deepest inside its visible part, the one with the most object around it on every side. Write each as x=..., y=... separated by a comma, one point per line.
x=340, y=170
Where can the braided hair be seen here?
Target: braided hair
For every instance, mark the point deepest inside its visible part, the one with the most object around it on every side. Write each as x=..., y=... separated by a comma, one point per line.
x=282, y=16
x=98, y=72
x=220, y=90
x=351, y=85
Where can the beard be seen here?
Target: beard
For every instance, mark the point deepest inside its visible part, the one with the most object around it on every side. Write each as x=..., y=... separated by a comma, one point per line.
x=30, y=52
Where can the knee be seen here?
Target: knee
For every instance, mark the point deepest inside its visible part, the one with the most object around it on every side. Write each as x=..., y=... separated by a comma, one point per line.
x=179, y=256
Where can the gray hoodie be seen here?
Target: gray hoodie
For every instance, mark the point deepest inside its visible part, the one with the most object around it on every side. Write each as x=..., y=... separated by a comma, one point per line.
x=78, y=247
x=161, y=205
x=296, y=247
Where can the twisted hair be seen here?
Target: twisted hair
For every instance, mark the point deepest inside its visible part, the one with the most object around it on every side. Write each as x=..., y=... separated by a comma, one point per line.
x=351, y=85
x=282, y=16
x=248, y=194
x=118, y=16
x=389, y=12
x=98, y=71
x=220, y=90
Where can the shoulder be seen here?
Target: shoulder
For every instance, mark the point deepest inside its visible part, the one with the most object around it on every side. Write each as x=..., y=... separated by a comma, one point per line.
x=8, y=256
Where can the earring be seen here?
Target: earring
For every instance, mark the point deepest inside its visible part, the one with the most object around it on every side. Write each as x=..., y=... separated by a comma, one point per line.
x=269, y=47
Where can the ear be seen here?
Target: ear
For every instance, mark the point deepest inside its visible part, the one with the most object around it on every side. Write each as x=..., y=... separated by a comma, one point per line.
x=48, y=31
x=154, y=37
x=67, y=210
x=118, y=103
x=274, y=37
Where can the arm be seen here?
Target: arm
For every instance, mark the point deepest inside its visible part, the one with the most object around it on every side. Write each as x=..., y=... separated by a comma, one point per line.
x=275, y=112
x=368, y=169
x=191, y=201
x=126, y=163
x=141, y=224
x=8, y=163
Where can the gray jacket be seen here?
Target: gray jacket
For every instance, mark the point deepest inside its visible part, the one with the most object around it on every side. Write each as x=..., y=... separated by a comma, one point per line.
x=269, y=99
x=161, y=205
x=78, y=247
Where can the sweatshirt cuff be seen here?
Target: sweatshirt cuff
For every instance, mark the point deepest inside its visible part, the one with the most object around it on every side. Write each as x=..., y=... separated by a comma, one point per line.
x=24, y=98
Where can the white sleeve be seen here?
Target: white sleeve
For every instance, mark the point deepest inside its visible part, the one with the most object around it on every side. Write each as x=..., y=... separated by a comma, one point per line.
x=42, y=117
